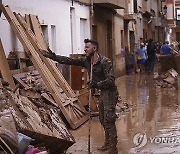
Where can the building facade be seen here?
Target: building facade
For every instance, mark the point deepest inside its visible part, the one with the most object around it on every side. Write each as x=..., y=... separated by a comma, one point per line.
x=115, y=24
x=64, y=24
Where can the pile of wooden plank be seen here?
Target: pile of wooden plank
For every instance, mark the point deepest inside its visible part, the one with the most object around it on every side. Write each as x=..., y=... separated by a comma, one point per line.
x=43, y=93
x=41, y=123
x=64, y=96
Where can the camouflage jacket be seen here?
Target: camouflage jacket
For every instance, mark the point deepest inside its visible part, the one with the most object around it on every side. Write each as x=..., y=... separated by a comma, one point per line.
x=103, y=73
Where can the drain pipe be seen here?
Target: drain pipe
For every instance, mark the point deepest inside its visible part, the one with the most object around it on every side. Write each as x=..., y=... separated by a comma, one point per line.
x=91, y=15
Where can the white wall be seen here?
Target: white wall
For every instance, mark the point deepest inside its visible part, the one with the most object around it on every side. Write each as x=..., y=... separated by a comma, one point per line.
x=118, y=26
x=50, y=12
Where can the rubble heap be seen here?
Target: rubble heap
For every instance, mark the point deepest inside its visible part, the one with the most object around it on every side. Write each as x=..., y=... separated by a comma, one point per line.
x=36, y=118
x=168, y=79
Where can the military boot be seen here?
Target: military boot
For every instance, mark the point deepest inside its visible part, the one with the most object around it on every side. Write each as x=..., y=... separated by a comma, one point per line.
x=112, y=150
x=112, y=147
x=106, y=143
x=105, y=147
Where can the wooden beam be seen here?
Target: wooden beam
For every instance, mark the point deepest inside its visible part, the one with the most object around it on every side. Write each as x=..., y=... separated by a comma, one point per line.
x=4, y=68
x=27, y=18
x=37, y=30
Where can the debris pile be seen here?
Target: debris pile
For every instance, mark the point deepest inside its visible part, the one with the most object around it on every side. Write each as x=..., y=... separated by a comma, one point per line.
x=121, y=107
x=167, y=80
x=41, y=121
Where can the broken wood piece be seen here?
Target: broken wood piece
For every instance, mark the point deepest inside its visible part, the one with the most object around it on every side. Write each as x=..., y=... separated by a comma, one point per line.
x=45, y=127
x=22, y=78
x=173, y=73
x=16, y=87
x=83, y=97
x=5, y=147
x=1, y=85
x=4, y=67
x=49, y=99
x=170, y=80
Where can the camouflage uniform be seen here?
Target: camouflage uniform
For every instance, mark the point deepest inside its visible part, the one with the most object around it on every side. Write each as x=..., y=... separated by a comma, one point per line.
x=103, y=75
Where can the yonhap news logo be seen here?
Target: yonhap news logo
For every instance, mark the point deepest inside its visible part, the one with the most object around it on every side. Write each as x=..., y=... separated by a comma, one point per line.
x=141, y=139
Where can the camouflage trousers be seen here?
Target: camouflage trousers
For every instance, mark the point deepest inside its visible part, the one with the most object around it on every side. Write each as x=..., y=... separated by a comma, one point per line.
x=107, y=116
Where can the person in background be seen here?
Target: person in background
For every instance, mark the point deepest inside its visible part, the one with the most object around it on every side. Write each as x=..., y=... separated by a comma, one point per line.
x=165, y=48
x=141, y=57
x=102, y=79
x=151, y=54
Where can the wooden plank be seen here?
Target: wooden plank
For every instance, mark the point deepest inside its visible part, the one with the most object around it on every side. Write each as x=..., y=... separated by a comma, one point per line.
x=41, y=45
x=39, y=63
x=83, y=96
x=46, y=96
x=4, y=67
x=27, y=18
x=37, y=30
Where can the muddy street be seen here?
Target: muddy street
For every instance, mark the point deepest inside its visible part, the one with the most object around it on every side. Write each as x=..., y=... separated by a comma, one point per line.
x=151, y=125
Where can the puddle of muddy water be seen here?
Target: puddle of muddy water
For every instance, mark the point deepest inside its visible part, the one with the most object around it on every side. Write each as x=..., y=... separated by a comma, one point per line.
x=154, y=114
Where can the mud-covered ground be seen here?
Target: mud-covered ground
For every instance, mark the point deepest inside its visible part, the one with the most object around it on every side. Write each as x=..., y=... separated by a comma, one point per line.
x=152, y=124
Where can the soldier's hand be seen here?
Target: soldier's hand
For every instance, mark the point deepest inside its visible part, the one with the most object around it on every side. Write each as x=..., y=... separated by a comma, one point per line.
x=93, y=84
x=48, y=53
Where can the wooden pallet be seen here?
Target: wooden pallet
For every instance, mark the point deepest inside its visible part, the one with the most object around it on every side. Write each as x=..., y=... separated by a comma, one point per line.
x=64, y=96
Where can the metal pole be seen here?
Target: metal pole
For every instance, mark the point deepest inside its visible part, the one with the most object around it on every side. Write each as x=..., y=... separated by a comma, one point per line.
x=89, y=104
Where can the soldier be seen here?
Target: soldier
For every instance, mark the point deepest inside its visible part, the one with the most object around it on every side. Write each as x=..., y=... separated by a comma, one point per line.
x=102, y=79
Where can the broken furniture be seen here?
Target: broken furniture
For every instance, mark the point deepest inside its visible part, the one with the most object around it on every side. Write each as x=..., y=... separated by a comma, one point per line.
x=41, y=123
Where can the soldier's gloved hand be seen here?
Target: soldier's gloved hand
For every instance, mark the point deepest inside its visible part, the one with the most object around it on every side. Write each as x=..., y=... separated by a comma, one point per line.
x=93, y=84
x=48, y=53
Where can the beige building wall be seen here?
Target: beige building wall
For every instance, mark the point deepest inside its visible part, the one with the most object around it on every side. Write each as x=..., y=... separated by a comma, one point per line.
x=119, y=43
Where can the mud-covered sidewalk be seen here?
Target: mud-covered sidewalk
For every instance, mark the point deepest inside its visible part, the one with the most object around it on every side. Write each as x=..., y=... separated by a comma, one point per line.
x=151, y=125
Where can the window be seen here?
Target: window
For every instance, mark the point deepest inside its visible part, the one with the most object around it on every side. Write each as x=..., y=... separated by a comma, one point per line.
x=53, y=37
x=135, y=6
x=178, y=14
x=83, y=32
x=73, y=30
x=45, y=33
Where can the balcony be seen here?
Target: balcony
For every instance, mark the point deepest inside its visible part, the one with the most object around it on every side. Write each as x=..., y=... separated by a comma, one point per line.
x=128, y=17
x=112, y=4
